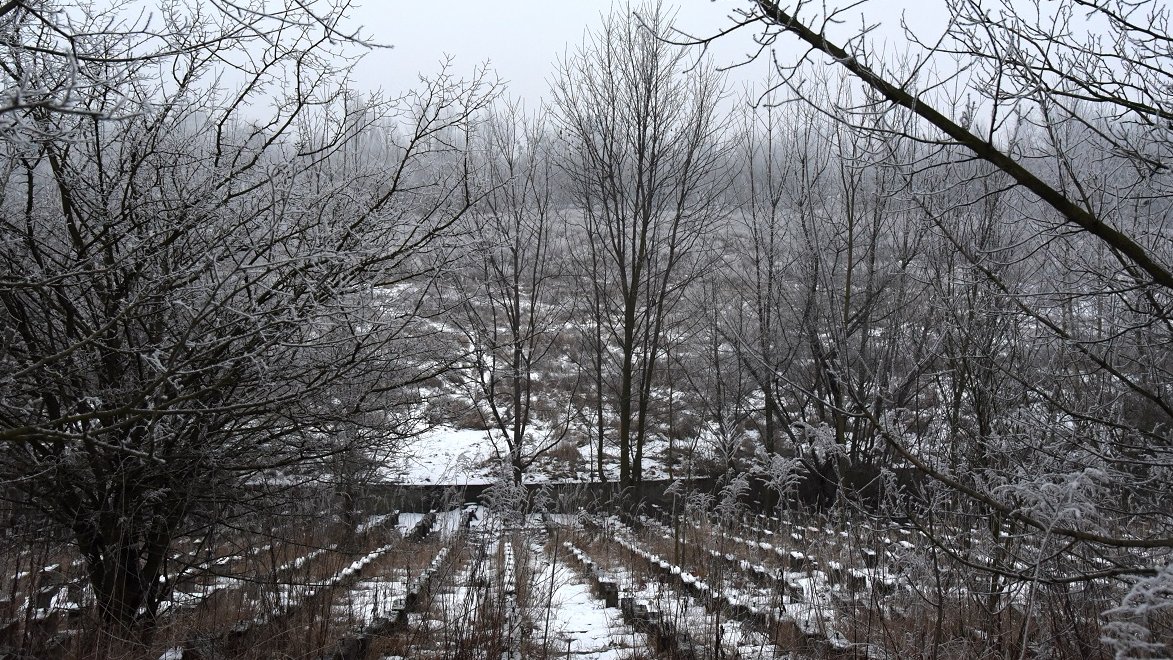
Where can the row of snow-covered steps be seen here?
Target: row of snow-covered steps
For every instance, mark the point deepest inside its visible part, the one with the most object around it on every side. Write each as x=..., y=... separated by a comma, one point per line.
x=396, y=613
x=510, y=572
x=292, y=599
x=804, y=537
x=856, y=579
x=513, y=618
x=349, y=573
x=394, y=616
x=192, y=590
x=289, y=604
x=602, y=585
x=758, y=613
x=757, y=572
x=690, y=581
x=419, y=584
x=794, y=560
x=353, y=570
x=762, y=527
x=858, y=582
x=195, y=577
x=662, y=634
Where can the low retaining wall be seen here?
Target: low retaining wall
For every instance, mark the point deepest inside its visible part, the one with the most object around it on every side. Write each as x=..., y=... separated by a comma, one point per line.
x=813, y=490
x=566, y=497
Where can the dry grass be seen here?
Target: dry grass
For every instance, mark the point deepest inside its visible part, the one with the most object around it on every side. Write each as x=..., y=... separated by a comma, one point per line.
x=935, y=608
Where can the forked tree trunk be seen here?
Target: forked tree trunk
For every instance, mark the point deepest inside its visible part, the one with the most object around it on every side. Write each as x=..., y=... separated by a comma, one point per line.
x=125, y=563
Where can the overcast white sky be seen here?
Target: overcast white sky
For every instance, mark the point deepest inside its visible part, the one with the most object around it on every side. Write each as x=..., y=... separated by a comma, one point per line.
x=522, y=39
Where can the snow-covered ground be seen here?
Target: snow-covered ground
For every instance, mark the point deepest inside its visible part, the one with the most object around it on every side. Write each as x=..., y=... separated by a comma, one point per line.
x=444, y=456
x=582, y=622
x=448, y=456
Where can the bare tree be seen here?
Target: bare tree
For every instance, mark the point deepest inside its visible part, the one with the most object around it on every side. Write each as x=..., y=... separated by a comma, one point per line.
x=592, y=267
x=200, y=307
x=1039, y=70
x=1055, y=122
x=824, y=275
x=642, y=153
x=59, y=58
x=1052, y=337
x=511, y=311
x=785, y=164
x=721, y=383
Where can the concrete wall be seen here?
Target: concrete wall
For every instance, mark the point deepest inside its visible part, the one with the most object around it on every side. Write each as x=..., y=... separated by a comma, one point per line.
x=813, y=490
x=564, y=497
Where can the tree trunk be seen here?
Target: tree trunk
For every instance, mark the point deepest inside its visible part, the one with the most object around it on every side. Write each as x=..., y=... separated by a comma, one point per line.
x=626, y=378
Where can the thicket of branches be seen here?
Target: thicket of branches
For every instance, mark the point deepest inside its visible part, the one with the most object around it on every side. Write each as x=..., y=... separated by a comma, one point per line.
x=851, y=273
x=210, y=288
x=1031, y=382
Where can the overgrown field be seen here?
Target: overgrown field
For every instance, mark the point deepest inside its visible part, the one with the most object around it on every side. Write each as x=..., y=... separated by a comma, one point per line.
x=704, y=577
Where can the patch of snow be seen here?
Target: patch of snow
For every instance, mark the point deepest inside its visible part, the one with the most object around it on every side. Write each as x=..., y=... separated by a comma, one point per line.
x=444, y=456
